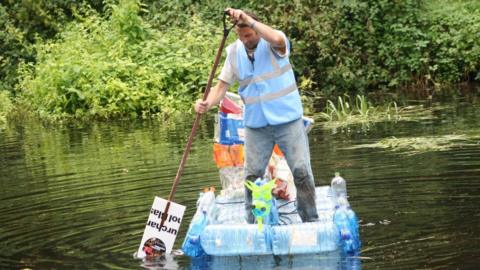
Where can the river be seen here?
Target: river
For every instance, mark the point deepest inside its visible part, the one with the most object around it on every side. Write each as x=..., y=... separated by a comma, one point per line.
x=77, y=196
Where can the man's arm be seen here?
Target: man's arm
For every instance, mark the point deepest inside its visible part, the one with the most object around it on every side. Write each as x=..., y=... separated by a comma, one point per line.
x=272, y=36
x=214, y=97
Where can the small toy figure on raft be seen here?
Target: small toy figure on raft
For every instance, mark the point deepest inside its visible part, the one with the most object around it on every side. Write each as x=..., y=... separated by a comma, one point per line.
x=263, y=204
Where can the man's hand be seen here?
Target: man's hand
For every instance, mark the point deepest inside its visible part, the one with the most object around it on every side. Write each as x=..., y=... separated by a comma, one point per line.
x=276, y=40
x=202, y=106
x=237, y=15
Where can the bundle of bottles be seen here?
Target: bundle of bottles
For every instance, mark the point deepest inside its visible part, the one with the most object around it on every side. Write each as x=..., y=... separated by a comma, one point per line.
x=219, y=228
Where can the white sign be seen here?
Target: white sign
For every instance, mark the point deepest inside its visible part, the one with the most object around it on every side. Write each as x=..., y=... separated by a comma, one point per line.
x=158, y=239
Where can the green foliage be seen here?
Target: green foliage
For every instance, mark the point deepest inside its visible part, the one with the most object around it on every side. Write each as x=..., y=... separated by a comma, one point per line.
x=6, y=106
x=24, y=22
x=102, y=59
x=386, y=45
x=43, y=18
x=168, y=14
x=453, y=31
x=353, y=46
x=13, y=47
x=119, y=67
x=362, y=46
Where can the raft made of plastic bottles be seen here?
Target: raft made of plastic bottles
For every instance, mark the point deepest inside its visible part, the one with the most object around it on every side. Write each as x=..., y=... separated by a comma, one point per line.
x=227, y=233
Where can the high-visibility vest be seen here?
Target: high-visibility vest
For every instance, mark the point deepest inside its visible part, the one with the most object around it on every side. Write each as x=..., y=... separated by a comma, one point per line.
x=266, y=84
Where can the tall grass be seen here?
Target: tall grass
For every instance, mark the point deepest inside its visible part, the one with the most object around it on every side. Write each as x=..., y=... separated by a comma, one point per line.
x=350, y=111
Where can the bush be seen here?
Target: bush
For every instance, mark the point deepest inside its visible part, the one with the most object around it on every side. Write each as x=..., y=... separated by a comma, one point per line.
x=14, y=48
x=454, y=51
x=23, y=23
x=119, y=67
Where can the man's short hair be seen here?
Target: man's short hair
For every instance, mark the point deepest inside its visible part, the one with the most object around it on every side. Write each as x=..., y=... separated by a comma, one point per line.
x=252, y=15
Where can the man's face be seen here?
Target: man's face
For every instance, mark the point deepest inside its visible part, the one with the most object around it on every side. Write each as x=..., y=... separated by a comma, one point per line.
x=248, y=36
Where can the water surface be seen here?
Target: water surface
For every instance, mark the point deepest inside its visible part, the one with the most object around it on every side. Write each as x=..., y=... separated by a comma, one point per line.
x=77, y=196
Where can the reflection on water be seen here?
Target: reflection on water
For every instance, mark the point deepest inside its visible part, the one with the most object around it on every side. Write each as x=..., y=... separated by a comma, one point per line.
x=327, y=261
x=78, y=196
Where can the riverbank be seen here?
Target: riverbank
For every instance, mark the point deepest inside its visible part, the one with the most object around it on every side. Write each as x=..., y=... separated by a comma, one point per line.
x=131, y=60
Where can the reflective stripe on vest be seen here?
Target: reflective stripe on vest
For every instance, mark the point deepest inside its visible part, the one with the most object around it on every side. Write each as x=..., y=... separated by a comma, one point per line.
x=271, y=96
x=266, y=76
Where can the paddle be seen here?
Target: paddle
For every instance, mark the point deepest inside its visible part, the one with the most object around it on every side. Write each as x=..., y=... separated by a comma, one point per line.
x=152, y=243
x=226, y=31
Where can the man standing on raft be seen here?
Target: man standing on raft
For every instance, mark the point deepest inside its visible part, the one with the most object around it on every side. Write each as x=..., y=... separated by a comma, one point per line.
x=258, y=60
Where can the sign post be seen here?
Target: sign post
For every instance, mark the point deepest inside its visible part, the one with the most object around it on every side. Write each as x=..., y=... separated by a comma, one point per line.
x=158, y=238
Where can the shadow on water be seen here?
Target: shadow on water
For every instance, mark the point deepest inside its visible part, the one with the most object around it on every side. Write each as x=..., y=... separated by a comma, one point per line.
x=77, y=197
x=327, y=261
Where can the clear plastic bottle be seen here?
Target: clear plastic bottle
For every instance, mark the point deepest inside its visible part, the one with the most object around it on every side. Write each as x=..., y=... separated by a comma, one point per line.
x=191, y=245
x=347, y=225
x=236, y=239
x=339, y=186
x=206, y=203
x=230, y=212
x=304, y=238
